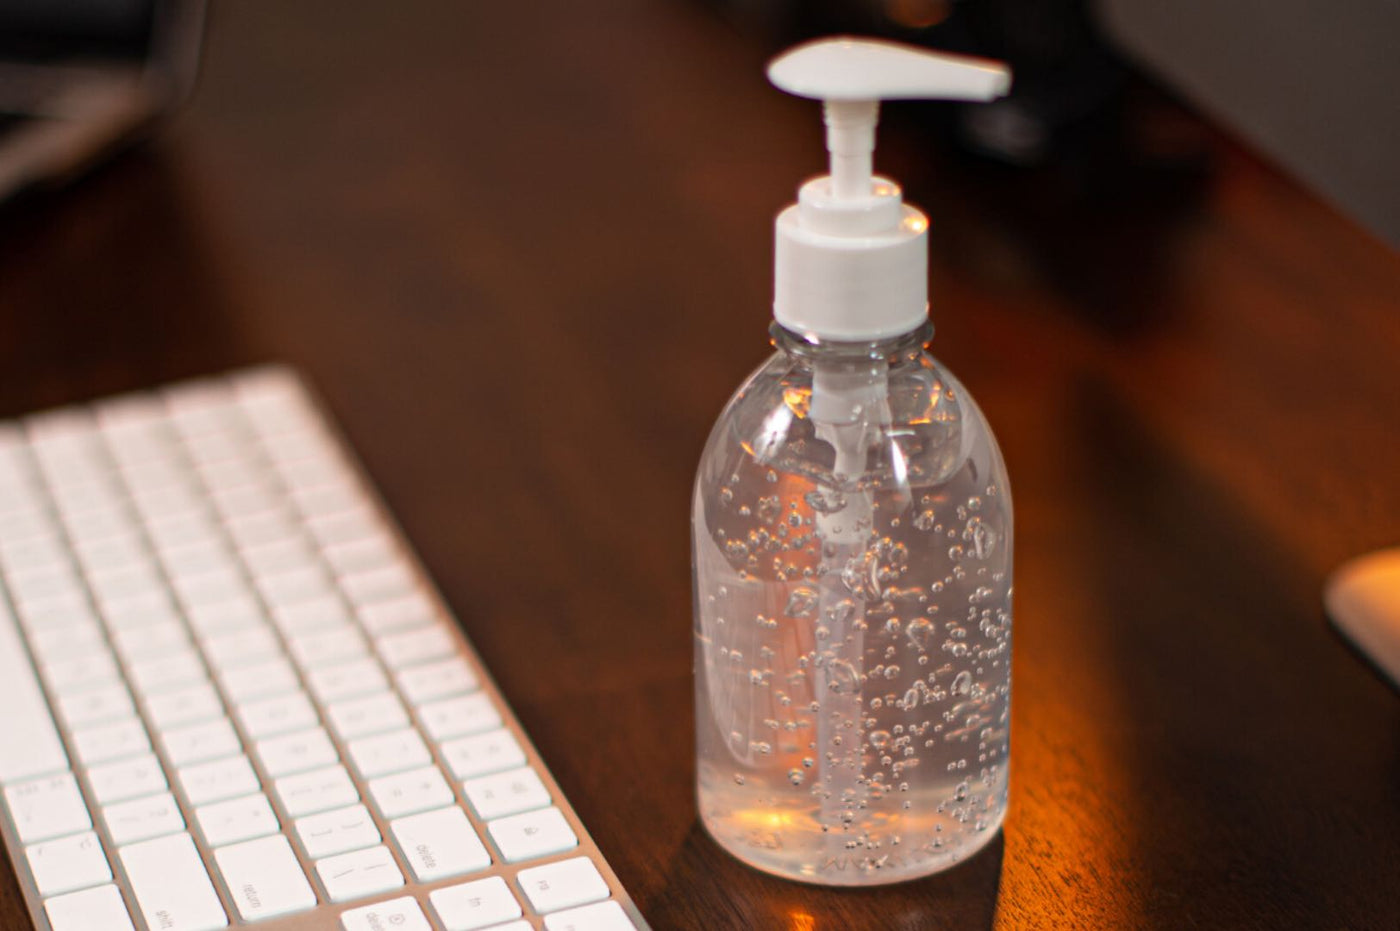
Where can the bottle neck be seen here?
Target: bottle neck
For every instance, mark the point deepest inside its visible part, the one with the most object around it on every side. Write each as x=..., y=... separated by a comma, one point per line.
x=886, y=354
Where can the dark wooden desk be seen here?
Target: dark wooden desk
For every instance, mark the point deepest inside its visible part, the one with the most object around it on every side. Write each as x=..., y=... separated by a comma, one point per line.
x=524, y=250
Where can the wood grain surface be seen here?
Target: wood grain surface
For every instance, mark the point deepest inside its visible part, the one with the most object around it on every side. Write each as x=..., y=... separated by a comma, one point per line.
x=524, y=250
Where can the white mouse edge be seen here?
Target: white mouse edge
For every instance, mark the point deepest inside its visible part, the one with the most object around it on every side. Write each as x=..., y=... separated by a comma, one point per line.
x=1362, y=597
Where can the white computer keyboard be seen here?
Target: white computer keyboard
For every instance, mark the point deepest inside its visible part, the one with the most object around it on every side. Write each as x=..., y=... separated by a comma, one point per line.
x=229, y=695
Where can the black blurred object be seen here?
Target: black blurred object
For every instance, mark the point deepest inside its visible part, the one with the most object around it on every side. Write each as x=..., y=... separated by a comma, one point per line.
x=77, y=77
x=1311, y=85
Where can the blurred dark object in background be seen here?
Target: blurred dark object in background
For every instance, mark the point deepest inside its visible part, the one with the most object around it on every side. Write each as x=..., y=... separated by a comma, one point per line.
x=1313, y=91
x=79, y=76
x=1312, y=85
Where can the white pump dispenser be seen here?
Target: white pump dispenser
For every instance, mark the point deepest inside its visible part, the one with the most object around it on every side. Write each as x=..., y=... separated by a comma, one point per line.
x=851, y=261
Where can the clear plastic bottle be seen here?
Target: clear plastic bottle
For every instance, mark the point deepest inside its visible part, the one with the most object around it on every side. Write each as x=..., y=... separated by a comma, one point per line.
x=852, y=569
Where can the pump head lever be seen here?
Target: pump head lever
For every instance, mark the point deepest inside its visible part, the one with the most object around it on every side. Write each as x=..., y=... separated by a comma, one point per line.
x=862, y=69
x=852, y=76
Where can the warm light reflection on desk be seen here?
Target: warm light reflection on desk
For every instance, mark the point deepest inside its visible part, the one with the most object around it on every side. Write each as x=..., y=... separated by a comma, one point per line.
x=801, y=921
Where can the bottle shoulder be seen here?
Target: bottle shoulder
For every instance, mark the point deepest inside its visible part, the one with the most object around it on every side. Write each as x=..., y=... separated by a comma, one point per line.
x=918, y=423
x=920, y=390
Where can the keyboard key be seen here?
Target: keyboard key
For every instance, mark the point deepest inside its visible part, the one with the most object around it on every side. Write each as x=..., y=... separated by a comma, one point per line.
x=412, y=647
x=410, y=610
x=31, y=746
x=52, y=613
x=237, y=613
x=126, y=779
x=118, y=740
x=138, y=611
x=325, y=500
x=476, y=904
x=21, y=520
x=410, y=792
x=278, y=556
x=97, y=524
x=149, y=640
x=383, y=584
x=327, y=646
x=135, y=579
x=84, y=672
x=454, y=717
x=112, y=554
x=399, y=914
x=68, y=863
x=506, y=793
x=533, y=834
x=388, y=753
x=235, y=820
x=188, y=705
x=348, y=526
x=481, y=754
x=174, y=514
x=48, y=807
x=437, y=680
x=295, y=753
x=240, y=647
x=57, y=582
x=318, y=790
x=189, y=561
x=562, y=885
x=314, y=471
x=360, y=717
x=249, y=530
x=176, y=670
x=143, y=818
x=209, y=587
x=172, y=888
x=346, y=680
x=272, y=716
x=601, y=916
x=69, y=639
x=310, y=616
x=264, y=878
x=438, y=844
x=288, y=588
x=359, y=874
x=307, y=441
x=217, y=780
x=37, y=554
x=338, y=831
x=101, y=907
x=197, y=743
x=260, y=680
x=362, y=554
x=235, y=486
x=95, y=706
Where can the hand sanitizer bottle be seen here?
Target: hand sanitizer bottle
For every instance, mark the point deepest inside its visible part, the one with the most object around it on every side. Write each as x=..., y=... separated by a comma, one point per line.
x=852, y=534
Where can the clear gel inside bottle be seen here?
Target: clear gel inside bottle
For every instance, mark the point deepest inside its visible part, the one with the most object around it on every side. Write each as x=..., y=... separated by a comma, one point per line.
x=852, y=570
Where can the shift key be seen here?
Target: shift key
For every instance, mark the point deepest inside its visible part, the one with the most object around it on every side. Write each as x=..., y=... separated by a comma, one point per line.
x=172, y=886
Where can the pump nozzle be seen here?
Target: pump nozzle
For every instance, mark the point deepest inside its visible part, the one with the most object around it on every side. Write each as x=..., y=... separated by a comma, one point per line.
x=851, y=256
x=852, y=76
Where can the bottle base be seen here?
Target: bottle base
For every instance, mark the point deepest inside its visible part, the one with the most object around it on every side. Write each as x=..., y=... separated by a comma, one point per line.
x=839, y=869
